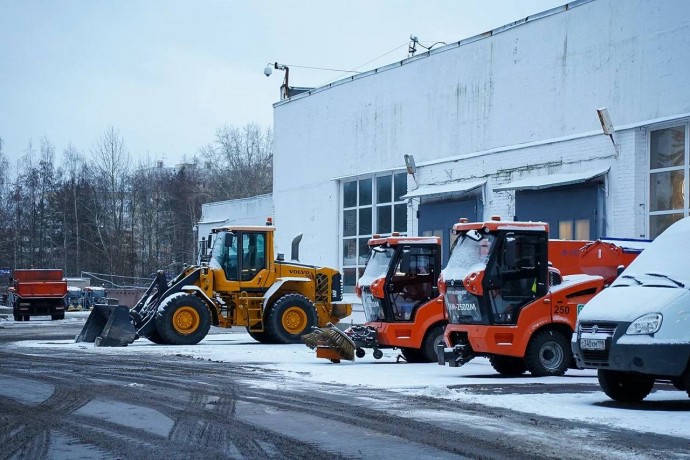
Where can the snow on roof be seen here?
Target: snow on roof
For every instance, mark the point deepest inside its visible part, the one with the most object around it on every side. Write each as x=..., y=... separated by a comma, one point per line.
x=457, y=187
x=551, y=180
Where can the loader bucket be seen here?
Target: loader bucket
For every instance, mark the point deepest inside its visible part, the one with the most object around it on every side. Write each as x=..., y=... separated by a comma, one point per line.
x=108, y=326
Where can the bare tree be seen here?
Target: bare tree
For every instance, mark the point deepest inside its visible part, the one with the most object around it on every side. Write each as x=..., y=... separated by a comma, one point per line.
x=112, y=164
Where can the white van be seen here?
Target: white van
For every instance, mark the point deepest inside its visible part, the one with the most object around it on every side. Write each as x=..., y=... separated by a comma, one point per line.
x=637, y=331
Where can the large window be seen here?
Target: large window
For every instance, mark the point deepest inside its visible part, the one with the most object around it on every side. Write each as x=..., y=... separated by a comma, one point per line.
x=371, y=205
x=668, y=177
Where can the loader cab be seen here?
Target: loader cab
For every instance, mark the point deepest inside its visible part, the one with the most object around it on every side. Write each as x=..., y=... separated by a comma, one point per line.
x=493, y=273
x=241, y=254
x=399, y=278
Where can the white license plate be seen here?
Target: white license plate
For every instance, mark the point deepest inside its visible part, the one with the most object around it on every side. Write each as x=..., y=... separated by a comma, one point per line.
x=593, y=344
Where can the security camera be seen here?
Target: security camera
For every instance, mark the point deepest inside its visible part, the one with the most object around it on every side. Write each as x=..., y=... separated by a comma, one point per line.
x=268, y=71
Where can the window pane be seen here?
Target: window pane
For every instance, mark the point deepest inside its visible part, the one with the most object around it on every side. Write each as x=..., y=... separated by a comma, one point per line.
x=350, y=222
x=400, y=186
x=383, y=219
x=363, y=250
x=349, y=280
x=365, y=221
x=658, y=224
x=667, y=148
x=383, y=189
x=364, y=192
x=400, y=224
x=666, y=191
x=565, y=230
x=349, y=194
x=582, y=229
x=350, y=251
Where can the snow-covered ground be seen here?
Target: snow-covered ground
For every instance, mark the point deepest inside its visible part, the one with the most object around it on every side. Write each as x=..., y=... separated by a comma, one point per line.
x=663, y=412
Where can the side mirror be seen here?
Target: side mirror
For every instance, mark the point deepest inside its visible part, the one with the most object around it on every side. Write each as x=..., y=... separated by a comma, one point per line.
x=229, y=239
x=209, y=241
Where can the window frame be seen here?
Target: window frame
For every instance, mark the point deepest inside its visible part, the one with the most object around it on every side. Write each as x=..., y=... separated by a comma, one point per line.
x=373, y=206
x=685, y=168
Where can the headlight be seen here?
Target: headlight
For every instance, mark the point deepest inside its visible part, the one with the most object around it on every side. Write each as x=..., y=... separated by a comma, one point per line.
x=647, y=324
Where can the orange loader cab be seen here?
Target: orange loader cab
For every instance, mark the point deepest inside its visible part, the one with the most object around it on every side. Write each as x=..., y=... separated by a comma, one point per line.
x=400, y=297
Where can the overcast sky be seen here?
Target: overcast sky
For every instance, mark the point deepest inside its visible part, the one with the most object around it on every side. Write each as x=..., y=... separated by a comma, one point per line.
x=168, y=73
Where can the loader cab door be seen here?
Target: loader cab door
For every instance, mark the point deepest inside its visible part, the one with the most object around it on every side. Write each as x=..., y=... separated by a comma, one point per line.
x=516, y=274
x=241, y=256
x=413, y=280
x=253, y=256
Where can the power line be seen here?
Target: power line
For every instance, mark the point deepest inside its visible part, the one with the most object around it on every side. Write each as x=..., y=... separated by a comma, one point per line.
x=366, y=63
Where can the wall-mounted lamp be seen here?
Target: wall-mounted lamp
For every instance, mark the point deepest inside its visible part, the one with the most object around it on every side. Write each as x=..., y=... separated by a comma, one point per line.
x=411, y=166
x=606, y=124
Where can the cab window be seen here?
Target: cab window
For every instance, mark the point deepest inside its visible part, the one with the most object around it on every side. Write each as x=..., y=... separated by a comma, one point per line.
x=253, y=254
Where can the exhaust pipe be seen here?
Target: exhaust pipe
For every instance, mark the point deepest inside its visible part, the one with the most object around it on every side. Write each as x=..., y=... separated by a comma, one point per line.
x=295, y=247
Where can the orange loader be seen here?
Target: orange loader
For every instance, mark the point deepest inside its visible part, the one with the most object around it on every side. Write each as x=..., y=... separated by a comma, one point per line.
x=505, y=301
x=401, y=303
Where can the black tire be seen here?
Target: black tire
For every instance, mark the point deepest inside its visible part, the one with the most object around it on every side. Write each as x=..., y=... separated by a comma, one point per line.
x=508, y=365
x=261, y=337
x=378, y=354
x=360, y=353
x=413, y=355
x=183, y=319
x=57, y=316
x=156, y=338
x=548, y=354
x=27, y=317
x=432, y=338
x=18, y=317
x=291, y=316
x=625, y=386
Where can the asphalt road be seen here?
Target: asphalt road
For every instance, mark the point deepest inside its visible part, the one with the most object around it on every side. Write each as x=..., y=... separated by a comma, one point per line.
x=58, y=404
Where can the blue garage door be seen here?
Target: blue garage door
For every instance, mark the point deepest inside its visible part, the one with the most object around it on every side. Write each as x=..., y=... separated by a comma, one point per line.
x=437, y=219
x=572, y=212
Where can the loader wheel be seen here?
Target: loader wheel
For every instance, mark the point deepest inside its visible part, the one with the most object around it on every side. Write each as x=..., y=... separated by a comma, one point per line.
x=508, y=365
x=289, y=317
x=156, y=338
x=261, y=337
x=548, y=354
x=183, y=319
x=624, y=386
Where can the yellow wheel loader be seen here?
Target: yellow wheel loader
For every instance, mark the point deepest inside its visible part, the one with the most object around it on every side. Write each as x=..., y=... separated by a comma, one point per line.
x=241, y=285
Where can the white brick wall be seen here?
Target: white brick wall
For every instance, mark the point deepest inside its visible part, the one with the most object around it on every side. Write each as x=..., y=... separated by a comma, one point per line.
x=536, y=83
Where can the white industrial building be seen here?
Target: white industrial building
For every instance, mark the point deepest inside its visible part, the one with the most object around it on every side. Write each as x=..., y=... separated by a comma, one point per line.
x=504, y=123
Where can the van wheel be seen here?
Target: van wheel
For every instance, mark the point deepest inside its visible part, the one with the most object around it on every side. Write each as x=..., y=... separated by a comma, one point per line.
x=508, y=365
x=548, y=354
x=624, y=386
x=18, y=317
x=183, y=319
x=289, y=317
